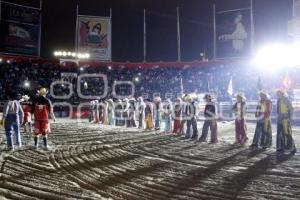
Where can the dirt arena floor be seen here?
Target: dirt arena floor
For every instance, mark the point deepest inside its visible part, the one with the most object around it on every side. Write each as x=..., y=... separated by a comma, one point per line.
x=90, y=161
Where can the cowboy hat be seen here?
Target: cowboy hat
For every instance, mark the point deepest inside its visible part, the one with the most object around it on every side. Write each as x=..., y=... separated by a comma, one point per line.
x=25, y=97
x=43, y=92
x=157, y=98
x=208, y=97
x=241, y=95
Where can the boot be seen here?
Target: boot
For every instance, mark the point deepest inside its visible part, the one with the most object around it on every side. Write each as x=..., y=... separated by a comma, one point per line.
x=36, y=142
x=45, y=140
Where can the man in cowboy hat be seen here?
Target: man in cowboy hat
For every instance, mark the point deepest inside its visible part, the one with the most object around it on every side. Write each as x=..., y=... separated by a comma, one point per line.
x=157, y=111
x=285, y=110
x=263, y=130
x=191, y=121
x=27, y=122
x=239, y=108
x=110, y=112
x=42, y=109
x=210, y=120
x=141, y=112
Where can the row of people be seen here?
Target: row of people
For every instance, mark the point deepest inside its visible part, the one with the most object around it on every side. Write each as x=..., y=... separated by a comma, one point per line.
x=151, y=114
x=183, y=115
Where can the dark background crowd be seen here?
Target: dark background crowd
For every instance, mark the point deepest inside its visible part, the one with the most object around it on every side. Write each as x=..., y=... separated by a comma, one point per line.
x=28, y=77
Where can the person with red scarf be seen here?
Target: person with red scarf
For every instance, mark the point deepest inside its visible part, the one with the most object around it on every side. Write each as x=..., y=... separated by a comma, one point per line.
x=27, y=121
x=42, y=111
x=177, y=116
x=239, y=108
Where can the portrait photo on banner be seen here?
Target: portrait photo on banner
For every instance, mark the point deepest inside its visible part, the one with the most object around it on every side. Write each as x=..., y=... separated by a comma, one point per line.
x=233, y=29
x=94, y=37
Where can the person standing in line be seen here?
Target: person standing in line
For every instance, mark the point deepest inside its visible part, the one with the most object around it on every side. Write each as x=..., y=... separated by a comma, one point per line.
x=239, y=108
x=210, y=120
x=183, y=120
x=141, y=113
x=104, y=112
x=92, y=111
x=157, y=112
x=125, y=112
x=12, y=119
x=177, y=113
x=118, y=112
x=167, y=116
x=191, y=122
x=110, y=112
x=149, y=115
x=285, y=141
x=43, y=109
x=27, y=121
x=263, y=130
x=131, y=113
x=97, y=113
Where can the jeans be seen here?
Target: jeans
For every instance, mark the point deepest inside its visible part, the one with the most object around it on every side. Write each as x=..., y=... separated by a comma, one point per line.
x=12, y=125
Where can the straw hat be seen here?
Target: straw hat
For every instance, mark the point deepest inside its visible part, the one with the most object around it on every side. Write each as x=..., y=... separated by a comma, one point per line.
x=25, y=97
x=43, y=92
x=265, y=93
x=157, y=99
x=282, y=91
x=178, y=99
x=208, y=97
x=241, y=95
x=140, y=99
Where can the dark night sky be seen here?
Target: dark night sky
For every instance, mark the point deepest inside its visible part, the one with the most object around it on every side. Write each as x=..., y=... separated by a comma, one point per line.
x=58, y=29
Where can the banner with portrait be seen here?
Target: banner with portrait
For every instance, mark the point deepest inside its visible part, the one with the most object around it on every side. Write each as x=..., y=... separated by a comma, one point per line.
x=94, y=37
x=20, y=29
x=233, y=31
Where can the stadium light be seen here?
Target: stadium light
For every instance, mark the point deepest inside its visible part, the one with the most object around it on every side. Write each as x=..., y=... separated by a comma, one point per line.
x=71, y=54
x=26, y=84
x=274, y=57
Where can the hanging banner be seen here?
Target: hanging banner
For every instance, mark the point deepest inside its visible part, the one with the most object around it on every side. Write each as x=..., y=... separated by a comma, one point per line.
x=233, y=29
x=19, y=29
x=94, y=37
x=296, y=9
